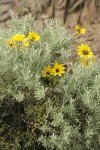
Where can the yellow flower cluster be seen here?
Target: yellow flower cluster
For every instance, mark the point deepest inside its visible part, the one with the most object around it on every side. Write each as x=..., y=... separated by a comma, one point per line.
x=57, y=69
x=34, y=37
x=20, y=41
x=80, y=30
x=84, y=51
x=87, y=56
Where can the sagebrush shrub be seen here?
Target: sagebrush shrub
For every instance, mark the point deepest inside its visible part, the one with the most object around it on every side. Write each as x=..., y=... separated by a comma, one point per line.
x=48, y=104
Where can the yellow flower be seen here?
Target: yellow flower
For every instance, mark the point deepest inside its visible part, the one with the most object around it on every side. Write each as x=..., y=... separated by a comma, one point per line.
x=34, y=37
x=84, y=51
x=87, y=56
x=47, y=71
x=58, y=69
x=18, y=37
x=80, y=30
x=10, y=42
x=26, y=42
x=19, y=41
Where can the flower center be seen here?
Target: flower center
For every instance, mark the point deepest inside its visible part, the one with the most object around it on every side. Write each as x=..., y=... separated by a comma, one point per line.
x=57, y=70
x=48, y=73
x=78, y=30
x=85, y=52
x=11, y=44
x=33, y=37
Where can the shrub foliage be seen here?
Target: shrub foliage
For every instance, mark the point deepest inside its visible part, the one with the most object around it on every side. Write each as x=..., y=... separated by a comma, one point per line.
x=53, y=112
